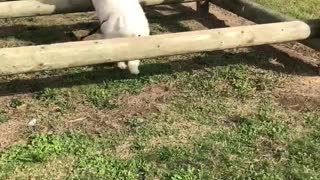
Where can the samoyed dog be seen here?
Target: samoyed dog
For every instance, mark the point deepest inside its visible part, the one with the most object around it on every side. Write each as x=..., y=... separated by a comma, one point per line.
x=122, y=18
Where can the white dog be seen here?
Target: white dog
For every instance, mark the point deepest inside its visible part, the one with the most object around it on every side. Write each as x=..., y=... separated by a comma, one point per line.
x=122, y=18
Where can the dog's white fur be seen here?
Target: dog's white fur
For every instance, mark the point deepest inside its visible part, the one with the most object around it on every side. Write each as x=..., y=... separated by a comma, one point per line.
x=123, y=18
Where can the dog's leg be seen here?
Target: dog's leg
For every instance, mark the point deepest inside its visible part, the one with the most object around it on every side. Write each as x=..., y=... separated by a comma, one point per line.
x=122, y=65
x=133, y=66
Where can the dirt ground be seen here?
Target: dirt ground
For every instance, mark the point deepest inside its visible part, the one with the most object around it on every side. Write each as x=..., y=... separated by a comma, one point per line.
x=302, y=92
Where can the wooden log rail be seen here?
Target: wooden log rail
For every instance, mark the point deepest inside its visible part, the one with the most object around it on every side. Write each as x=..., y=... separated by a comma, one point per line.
x=260, y=14
x=74, y=54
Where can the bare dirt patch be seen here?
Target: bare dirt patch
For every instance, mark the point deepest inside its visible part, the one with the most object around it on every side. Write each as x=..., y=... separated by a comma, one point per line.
x=143, y=102
x=301, y=94
x=98, y=121
x=11, y=133
x=186, y=131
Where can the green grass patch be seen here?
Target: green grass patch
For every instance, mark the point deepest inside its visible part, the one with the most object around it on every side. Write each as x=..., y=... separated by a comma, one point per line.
x=3, y=117
x=218, y=118
x=15, y=103
x=296, y=8
x=254, y=146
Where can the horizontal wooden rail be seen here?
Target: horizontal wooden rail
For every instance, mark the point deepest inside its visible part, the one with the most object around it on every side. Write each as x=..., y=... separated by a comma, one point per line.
x=73, y=54
x=26, y=8
x=260, y=14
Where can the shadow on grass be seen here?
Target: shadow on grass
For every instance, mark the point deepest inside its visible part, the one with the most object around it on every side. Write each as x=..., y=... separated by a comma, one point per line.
x=44, y=34
x=258, y=56
x=104, y=74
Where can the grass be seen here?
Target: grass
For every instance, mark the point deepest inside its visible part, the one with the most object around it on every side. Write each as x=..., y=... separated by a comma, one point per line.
x=295, y=8
x=3, y=117
x=258, y=147
x=198, y=116
x=15, y=103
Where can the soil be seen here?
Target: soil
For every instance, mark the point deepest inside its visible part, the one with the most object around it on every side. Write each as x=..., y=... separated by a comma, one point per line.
x=301, y=93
